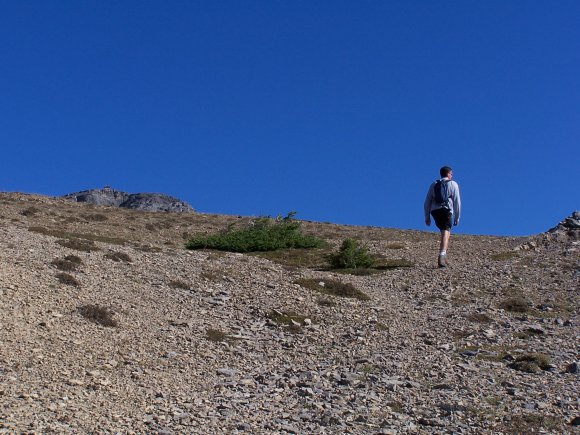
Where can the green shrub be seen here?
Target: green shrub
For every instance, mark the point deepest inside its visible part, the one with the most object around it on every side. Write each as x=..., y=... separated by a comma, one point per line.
x=352, y=255
x=263, y=234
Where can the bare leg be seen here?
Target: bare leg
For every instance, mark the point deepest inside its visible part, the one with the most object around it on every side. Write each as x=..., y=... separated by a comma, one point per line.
x=445, y=234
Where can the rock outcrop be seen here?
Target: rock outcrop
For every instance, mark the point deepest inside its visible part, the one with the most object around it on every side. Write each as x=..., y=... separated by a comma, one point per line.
x=137, y=201
x=569, y=227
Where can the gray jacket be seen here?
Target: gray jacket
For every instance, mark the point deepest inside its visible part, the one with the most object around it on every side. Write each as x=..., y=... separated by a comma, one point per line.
x=454, y=200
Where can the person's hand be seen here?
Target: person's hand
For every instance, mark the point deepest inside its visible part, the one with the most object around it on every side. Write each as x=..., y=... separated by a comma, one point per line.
x=428, y=222
x=456, y=222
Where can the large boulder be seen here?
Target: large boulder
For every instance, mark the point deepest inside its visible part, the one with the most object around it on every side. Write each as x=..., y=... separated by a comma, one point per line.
x=136, y=201
x=104, y=196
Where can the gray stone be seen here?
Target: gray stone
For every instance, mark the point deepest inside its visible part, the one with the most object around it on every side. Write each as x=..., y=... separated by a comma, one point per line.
x=136, y=201
x=572, y=368
x=226, y=372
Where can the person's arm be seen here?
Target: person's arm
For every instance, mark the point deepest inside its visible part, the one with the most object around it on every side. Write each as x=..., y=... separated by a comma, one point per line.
x=456, y=205
x=427, y=206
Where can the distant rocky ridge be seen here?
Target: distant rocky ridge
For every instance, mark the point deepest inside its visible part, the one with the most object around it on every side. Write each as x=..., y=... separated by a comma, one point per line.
x=137, y=201
x=570, y=224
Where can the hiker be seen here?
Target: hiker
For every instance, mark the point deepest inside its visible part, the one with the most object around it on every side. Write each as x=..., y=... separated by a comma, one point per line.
x=444, y=204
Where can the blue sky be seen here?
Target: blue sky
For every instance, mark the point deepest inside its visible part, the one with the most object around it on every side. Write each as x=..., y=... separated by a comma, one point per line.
x=340, y=110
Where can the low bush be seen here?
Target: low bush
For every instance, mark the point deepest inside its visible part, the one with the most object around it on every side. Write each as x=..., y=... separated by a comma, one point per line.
x=264, y=234
x=100, y=315
x=352, y=255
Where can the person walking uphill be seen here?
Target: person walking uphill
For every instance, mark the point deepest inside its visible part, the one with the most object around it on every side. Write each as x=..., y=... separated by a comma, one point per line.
x=444, y=204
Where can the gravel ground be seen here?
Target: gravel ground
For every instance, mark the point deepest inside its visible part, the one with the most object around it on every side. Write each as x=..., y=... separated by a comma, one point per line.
x=196, y=348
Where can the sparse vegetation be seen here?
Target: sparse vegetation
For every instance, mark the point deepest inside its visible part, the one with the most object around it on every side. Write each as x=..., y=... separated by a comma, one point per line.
x=216, y=335
x=68, y=263
x=95, y=217
x=118, y=257
x=479, y=318
x=97, y=314
x=294, y=322
x=78, y=244
x=352, y=255
x=505, y=255
x=531, y=363
x=333, y=287
x=179, y=284
x=286, y=318
x=524, y=424
x=30, y=211
x=65, y=278
x=530, y=333
x=326, y=302
x=264, y=234
x=312, y=258
x=77, y=236
x=515, y=304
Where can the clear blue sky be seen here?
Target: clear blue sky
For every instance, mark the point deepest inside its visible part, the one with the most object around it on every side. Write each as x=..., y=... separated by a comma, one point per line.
x=340, y=110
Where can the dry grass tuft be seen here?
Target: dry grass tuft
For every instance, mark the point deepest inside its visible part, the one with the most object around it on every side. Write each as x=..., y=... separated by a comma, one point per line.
x=216, y=335
x=95, y=217
x=479, y=318
x=533, y=423
x=68, y=263
x=177, y=283
x=119, y=257
x=30, y=211
x=505, y=255
x=396, y=245
x=333, y=287
x=97, y=314
x=531, y=362
x=515, y=304
x=326, y=302
x=65, y=278
x=78, y=244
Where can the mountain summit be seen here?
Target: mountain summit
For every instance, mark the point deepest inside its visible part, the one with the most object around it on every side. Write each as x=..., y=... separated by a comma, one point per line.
x=138, y=201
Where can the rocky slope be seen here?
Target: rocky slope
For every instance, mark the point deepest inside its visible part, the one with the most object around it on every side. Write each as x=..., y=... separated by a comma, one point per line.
x=137, y=201
x=195, y=344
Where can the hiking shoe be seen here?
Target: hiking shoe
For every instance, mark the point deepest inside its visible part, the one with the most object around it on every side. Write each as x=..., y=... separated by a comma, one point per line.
x=442, y=260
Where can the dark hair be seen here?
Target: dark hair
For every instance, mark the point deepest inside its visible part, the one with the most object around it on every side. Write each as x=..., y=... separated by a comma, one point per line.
x=444, y=171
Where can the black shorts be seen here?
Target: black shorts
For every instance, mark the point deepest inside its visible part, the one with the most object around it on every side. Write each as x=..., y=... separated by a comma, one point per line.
x=442, y=218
